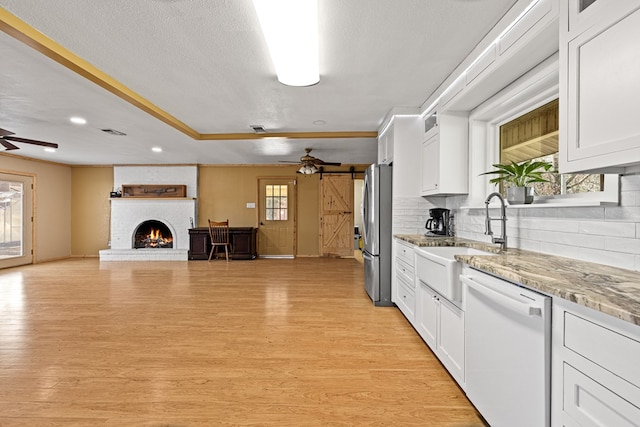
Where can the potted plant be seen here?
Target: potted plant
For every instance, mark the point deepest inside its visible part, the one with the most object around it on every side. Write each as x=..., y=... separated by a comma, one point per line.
x=520, y=176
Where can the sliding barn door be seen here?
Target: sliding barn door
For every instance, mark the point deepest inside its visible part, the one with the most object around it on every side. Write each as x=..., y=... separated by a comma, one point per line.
x=336, y=220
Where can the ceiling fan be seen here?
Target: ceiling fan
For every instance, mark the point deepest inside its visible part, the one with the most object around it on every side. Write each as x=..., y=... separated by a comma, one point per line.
x=310, y=164
x=5, y=137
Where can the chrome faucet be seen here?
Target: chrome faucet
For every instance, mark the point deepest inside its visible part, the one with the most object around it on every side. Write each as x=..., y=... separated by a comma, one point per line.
x=503, y=219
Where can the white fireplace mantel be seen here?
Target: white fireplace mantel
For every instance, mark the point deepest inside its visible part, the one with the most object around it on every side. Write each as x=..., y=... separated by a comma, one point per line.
x=127, y=214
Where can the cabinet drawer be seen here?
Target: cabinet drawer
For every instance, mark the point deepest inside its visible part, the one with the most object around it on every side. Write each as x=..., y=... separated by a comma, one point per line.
x=604, y=347
x=406, y=272
x=406, y=300
x=590, y=403
x=405, y=253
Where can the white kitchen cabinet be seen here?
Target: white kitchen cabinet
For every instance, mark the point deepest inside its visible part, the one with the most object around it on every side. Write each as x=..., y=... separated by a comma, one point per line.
x=444, y=155
x=385, y=146
x=596, y=376
x=404, y=279
x=599, y=85
x=441, y=324
x=406, y=300
x=427, y=319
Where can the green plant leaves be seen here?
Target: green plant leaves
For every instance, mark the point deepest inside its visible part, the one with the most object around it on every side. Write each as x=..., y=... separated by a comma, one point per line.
x=519, y=174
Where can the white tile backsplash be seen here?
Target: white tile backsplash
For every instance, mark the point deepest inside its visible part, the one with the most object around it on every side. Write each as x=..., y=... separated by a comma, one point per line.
x=607, y=235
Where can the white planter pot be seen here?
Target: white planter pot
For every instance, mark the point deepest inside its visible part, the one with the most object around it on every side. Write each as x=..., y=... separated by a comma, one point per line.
x=520, y=195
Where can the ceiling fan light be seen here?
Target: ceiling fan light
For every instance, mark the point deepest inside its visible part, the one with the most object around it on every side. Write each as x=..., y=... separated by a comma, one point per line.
x=308, y=169
x=290, y=28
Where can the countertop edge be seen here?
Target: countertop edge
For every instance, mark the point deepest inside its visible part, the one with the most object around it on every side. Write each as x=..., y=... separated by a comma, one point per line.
x=588, y=284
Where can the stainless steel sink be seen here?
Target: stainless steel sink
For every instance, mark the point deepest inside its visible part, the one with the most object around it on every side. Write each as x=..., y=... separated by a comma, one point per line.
x=438, y=268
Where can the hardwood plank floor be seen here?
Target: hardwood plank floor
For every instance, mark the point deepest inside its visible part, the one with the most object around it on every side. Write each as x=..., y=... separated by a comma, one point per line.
x=264, y=342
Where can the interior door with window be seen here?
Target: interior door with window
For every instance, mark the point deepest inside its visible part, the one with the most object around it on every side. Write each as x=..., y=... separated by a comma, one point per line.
x=336, y=221
x=276, y=232
x=16, y=225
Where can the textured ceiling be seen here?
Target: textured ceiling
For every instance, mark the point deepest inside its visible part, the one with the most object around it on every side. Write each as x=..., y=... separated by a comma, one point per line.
x=205, y=63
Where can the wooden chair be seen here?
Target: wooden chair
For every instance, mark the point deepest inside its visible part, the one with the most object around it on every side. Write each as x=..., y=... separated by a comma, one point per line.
x=219, y=233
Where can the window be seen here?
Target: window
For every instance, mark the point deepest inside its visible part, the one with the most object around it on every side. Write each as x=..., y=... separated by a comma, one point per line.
x=534, y=135
x=276, y=202
x=11, y=234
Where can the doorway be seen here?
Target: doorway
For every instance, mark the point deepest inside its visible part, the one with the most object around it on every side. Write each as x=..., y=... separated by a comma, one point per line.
x=16, y=220
x=336, y=217
x=276, y=217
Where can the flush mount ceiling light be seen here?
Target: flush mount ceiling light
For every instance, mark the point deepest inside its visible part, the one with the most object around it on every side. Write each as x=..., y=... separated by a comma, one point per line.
x=290, y=28
x=78, y=120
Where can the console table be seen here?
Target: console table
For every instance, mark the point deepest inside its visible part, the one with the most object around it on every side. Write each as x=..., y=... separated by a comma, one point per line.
x=243, y=243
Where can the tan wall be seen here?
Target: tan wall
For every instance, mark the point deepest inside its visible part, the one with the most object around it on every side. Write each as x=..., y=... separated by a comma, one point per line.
x=52, y=231
x=224, y=192
x=90, y=212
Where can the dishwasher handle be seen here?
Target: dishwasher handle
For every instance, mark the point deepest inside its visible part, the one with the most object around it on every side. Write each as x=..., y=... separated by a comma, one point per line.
x=504, y=300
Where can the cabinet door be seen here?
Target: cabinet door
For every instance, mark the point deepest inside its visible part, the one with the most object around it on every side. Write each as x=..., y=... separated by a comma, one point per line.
x=406, y=300
x=427, y=315
x=602, y=95
x=430, y=165
x=451, y=338
x=592, y=404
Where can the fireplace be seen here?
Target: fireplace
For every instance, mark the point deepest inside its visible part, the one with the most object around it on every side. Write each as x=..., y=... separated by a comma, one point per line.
x=152, y=228
x=152, y=234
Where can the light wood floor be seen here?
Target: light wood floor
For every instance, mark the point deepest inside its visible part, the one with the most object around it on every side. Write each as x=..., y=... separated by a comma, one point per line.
x=265, y=342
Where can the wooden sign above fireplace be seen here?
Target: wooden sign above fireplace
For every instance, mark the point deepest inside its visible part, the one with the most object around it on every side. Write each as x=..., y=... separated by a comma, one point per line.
x=155, y=191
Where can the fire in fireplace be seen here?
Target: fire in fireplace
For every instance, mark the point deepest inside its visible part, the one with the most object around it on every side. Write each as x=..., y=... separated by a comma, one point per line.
x=152, y=234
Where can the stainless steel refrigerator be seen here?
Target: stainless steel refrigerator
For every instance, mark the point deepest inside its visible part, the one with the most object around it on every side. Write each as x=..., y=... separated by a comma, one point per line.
x=376, y=212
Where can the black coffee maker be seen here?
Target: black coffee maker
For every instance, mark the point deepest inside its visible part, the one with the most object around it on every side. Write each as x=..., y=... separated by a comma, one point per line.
x=438, y=224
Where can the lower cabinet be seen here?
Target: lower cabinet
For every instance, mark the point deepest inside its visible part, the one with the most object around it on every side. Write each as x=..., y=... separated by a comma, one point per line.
x=596, y=375
x=441, y=324
x=243, y=243
x=406, y=300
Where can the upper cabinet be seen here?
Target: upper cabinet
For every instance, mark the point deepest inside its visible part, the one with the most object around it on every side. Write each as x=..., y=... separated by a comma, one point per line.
x=599, y=85
x=385, y=146
x=444, y=155
x=398, y=143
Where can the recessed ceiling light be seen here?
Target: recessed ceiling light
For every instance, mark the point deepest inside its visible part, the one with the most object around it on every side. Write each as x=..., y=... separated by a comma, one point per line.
x=78, y=120
x=156, y=149
x=50, y=150
x=319, y=122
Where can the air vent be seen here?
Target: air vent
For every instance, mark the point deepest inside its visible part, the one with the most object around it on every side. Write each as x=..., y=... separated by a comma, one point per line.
x=258, y=129
x=114, y=132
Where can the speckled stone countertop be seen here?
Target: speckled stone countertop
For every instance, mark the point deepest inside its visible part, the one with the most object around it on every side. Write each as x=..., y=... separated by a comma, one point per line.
x=611, y=290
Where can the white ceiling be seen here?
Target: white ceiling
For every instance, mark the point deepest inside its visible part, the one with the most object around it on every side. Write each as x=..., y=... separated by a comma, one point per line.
x=205, y=63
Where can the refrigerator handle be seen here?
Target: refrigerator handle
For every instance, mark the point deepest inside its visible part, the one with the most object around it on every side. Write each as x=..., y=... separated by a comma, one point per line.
x=365, y=206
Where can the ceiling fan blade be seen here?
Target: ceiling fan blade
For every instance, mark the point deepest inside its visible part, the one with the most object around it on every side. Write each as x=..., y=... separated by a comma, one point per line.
x=4, y=132
x=323, y=163
x=31, y=141
x=7, y=145
x=289, y=161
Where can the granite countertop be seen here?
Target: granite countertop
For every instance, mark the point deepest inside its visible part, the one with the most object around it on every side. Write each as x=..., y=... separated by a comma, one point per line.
x=611, y=290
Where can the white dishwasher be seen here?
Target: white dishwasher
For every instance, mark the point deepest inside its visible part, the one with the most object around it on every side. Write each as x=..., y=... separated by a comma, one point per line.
x=508, y=351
